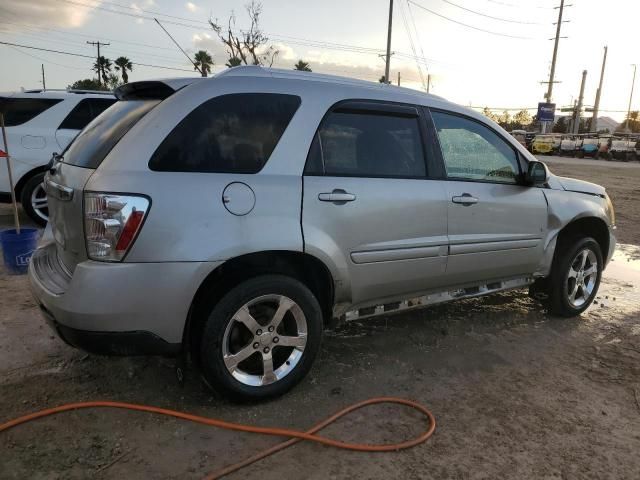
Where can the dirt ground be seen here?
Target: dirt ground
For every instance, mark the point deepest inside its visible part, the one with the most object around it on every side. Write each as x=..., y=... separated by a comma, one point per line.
x=516, y=393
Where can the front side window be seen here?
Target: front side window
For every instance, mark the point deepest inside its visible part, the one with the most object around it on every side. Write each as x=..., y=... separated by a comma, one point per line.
x=367, y=145
x=472, y=151
x=22, y=110
x=233, y=133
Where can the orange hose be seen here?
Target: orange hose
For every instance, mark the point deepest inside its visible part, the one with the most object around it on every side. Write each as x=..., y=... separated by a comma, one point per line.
x=294, y=435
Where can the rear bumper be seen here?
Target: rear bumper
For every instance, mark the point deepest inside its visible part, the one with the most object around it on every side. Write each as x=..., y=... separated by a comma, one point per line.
x=112, y=343
x=117, y=308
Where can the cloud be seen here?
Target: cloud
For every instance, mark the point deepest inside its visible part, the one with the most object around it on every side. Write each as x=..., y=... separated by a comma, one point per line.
x=44, y=13
x=192, y=7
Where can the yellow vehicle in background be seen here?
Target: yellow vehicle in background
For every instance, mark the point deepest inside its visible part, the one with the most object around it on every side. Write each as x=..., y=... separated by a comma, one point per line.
x=546, y=144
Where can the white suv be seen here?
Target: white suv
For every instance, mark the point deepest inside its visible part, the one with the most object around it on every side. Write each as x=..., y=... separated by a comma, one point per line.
x=40, y=123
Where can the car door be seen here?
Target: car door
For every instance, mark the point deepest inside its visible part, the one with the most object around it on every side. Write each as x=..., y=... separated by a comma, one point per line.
x=496, y=224
x=369, y=207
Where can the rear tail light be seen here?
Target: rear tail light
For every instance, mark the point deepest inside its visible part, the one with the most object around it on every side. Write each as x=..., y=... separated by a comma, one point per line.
x=111, y=223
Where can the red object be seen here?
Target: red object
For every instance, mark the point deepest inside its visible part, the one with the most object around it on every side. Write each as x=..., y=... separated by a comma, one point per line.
x=3, y=154
x=129, y=230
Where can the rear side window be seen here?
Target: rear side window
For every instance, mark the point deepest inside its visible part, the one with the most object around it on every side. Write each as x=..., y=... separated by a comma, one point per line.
x=22, y=110
x=93, y=144
x=86, y=110
x=367, y=145
x=233, y=133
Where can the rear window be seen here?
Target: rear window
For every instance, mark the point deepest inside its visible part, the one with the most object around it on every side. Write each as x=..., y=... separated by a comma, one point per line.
x=22, y=110
x=233, y=133
x=86, y=110
x=93, y=144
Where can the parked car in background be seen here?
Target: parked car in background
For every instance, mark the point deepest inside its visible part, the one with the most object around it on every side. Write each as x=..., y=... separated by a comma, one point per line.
x=39, y=123
x=234, y=217
x=624, y=148
x=529, y=136
x=520, y=136
x=568, y=145
x=545, y=144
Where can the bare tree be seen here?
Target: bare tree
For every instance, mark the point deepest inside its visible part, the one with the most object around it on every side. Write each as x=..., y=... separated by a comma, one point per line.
x=249, y=46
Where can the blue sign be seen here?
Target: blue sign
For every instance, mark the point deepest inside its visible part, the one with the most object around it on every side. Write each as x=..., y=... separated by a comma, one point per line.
x=546, y=112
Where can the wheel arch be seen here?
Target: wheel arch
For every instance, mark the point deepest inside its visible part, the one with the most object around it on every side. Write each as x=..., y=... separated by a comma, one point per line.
x=302, y=266
x=589, y=226
x=26, y=177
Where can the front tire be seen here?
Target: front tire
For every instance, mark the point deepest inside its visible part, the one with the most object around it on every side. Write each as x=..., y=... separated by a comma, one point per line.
x=575, y=276
x=261, y=338
x=34, y=199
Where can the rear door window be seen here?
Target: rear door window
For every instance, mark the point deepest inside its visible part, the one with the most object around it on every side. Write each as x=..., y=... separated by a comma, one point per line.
x=367, y=145
x=22, y=110
x=93, y=144
x=86, y=110
x=233, y=133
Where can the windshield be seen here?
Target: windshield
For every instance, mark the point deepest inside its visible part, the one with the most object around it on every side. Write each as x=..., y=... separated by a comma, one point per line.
x=92, y=145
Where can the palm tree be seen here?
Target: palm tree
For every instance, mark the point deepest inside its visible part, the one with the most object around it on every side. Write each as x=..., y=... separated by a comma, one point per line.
x=234, y=62
x=203, y=62
x=302, y=66
x=102, y=66
x=123, y=64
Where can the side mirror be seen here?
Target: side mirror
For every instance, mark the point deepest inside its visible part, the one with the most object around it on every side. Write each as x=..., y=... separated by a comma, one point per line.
x=537, y=174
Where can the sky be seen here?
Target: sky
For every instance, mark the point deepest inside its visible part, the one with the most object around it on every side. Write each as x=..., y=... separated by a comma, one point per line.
x=482, y=53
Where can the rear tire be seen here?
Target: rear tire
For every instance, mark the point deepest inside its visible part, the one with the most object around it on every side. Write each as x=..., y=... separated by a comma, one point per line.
x=34, y=199
x=575, y=276
x=243, y=353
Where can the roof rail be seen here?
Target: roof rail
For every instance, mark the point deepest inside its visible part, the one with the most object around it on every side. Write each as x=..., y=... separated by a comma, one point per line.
x=69, y=90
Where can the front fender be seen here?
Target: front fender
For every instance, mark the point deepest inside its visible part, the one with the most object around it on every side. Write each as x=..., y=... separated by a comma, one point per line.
x=565, y=208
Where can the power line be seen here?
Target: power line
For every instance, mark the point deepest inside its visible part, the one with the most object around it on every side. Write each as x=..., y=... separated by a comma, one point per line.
x=490, y=16
x=43, y=60
x=469, y=26
x=409, y=34
x=38, y=29
x=505, y=4
x=118, y=50
x=90, y=56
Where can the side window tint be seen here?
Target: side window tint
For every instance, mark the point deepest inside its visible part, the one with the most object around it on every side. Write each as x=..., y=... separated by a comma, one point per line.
x=99, y=105
x=228, y=134
x=472, y=151
x=22, y=110
x=79, y=117
x=368, y=145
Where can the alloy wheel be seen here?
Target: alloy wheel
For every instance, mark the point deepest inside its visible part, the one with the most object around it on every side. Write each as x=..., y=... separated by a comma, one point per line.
x=264, y=340
x=582, y=277
x=39, y=202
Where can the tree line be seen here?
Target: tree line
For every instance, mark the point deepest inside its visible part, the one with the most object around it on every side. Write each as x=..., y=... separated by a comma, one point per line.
x=243, y=47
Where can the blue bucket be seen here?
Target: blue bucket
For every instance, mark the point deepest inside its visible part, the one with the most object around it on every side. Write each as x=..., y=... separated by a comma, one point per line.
x=18, y=248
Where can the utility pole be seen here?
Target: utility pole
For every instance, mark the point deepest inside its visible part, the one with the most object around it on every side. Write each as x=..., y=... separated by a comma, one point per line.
x=552, y=72
x=44, y=85
x=398, y=77
x=576, y=123
x=428, y=83
x=633, y=84
x=596, y=105
x=388, y=57
x=98, y=58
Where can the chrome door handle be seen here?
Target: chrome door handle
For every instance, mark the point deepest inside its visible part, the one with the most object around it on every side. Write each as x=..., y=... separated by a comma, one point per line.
x=338, y=196
x=465, y=199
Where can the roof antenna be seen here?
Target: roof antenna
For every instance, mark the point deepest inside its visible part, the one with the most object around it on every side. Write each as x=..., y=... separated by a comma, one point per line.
x=178, y=45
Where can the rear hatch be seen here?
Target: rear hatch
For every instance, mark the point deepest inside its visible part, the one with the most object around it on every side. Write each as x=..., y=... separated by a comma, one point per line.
x=71, y=170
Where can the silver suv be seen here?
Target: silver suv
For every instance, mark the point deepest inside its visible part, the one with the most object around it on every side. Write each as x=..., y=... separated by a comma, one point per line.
x=234, y=217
